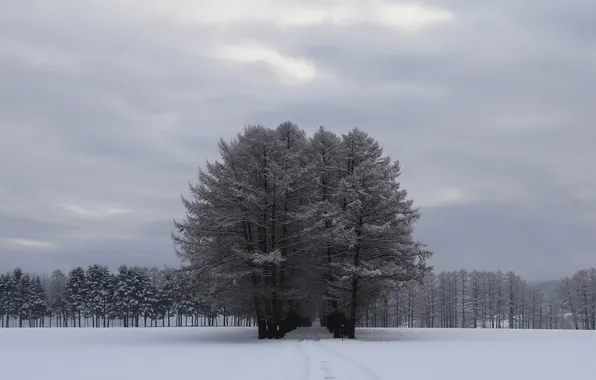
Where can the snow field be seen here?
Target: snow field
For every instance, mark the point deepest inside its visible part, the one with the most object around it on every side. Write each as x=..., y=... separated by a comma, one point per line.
x=305, y=354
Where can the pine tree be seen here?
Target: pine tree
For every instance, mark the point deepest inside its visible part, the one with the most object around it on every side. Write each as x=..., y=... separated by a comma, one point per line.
x=19, y=296
x=39, y=307
x=326, y=154
x=57, y=296
x=100, y=284
x=167, y=295
x=76, y=294
x=147, y=295
x=180, y=292
x=259, y=234
x=6, y=293
x=374, y=228
x=125, y=302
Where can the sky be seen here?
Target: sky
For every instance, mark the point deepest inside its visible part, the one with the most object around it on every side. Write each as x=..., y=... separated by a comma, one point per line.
x=109, y=108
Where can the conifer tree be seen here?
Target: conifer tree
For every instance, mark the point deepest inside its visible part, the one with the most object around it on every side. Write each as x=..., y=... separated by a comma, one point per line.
x=6, y=294
x=281, y=224
x=58, y=298
x=38, y=305
x=76, y=294
x=374, y=228
x=100, y=289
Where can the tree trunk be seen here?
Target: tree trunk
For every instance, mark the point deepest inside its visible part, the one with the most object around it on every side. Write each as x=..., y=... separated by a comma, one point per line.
x=262, y=329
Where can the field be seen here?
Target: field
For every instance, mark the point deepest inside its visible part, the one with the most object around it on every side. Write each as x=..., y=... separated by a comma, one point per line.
x=306, y=354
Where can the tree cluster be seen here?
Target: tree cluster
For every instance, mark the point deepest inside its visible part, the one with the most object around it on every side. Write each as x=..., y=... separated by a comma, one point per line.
x=96, y=297
x=477, y=299
x=285, y=227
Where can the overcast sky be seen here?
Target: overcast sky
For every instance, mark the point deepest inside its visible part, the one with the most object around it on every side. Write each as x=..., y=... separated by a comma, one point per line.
x=108, y=108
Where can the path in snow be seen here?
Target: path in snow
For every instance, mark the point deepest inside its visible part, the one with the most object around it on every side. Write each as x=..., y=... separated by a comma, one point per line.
x=320, y=362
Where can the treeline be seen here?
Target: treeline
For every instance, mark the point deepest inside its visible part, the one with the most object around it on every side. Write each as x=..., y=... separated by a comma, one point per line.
x=97, y=297
x=477, y=299
x=143, y=297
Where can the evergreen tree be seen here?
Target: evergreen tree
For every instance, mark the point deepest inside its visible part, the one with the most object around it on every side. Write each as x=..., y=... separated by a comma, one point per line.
x=76, y=294
x=166, y=295
x=19, y=295
x=123, y=295
x=57, y=296
x=38, y=305
x=100, y=289
x=263, y=223
x=147, y=296
x=6, y=294
x=373, y=228
x=325, y=152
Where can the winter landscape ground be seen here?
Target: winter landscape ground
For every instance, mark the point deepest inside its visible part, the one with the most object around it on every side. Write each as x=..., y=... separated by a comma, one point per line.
x=305, y=354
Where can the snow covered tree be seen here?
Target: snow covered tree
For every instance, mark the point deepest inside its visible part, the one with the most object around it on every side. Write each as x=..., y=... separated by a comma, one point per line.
x=38, y=303
x=76, y=294
x=125, y=300
x=147, y=296
x=237, y=235
x=373, y=228
x=263, y=222
x=19, y=296
x=166, y=294
x=57, y=297
x=578, y=299
x=100, y=290
x=326, y=155
x=6, y=295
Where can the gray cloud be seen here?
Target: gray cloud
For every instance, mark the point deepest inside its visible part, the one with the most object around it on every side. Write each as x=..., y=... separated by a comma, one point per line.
x=107, y=111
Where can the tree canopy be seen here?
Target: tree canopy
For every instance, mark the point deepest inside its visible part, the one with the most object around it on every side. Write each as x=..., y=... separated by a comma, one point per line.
x=285, y=228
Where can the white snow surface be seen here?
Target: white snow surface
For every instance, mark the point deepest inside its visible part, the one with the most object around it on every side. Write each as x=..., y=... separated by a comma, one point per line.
x=305, y=354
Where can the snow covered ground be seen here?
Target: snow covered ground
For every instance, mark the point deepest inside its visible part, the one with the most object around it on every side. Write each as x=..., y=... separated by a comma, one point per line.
x=306, y=354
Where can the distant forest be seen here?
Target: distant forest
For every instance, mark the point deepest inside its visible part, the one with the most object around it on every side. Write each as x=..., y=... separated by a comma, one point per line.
x=143, y=297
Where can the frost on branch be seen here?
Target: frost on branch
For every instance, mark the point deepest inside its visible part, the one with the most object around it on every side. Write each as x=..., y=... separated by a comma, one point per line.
x=274, y=257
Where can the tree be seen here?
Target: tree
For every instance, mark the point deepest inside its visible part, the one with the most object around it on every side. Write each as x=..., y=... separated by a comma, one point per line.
x=236, y=235
x=6, y=296
x=57, y=296
x=100, y=290
x=38, y=303
x=167, y=294
x=19, y=288
x=147, y=296
x=325, y=152
x=373, y=228
x=76, y=294
x=125, y=300
x=462, y=276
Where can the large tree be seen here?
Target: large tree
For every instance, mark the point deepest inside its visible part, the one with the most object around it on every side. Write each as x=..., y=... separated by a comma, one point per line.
x=282, y=223
x=372, y=228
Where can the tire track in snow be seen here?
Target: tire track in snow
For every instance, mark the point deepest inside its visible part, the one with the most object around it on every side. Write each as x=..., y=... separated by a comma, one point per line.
x=364, y=371
x=295, y=363
x=328, y=364
x=322, y=363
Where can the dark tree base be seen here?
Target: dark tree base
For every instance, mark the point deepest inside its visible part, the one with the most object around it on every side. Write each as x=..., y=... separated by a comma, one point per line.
x=270, y=330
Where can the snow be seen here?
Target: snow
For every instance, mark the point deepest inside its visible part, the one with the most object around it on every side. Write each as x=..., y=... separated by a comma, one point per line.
x=305, y=354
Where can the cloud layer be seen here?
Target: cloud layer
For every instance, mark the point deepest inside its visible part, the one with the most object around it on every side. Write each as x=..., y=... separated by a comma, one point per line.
x=107, y=109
